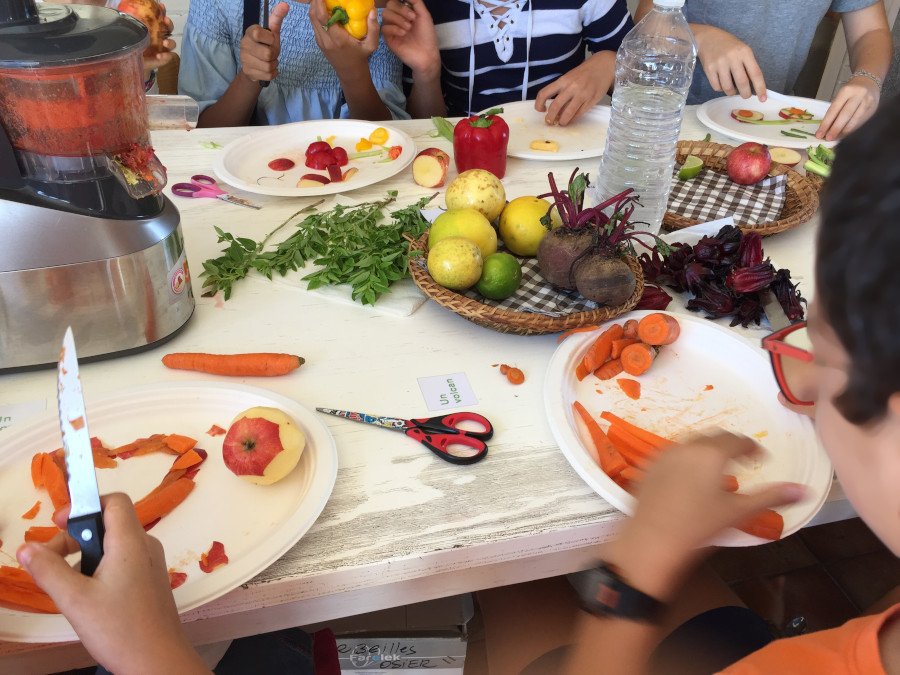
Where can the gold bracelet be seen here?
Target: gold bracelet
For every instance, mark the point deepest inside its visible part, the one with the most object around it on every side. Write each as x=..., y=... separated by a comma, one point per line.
x=871, y=76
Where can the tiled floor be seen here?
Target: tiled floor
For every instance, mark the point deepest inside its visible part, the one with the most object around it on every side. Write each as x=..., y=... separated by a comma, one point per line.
x=826, y=574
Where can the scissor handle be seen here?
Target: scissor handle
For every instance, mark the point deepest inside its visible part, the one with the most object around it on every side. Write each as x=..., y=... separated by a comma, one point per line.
x=442, y=445
x=450, y=424
x=205, y=181
x=187, y=190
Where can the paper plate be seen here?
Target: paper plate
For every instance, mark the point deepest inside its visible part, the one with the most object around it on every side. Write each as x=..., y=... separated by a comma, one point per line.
x=716, y=114
x=256, y=523
x=243, y=163
x=584, y=138
x=710, y=377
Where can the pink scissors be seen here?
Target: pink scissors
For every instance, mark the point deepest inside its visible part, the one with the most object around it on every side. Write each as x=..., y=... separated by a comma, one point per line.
x=206, y=186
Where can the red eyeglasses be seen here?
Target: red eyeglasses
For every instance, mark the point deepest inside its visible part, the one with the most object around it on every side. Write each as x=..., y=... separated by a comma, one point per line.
x=789, y=359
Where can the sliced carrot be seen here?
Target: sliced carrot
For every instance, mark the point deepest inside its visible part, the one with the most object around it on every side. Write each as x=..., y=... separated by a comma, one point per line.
x=33, y=511
x=178, y=443
x=730, y=483
x=637, y=358
x=609, y=369
x=610, y=460
x=630, y=329
x=572, y=331
x=632, y=388
x=186, y=460
x=18, y=589
x=259, y=364
x=41, y=534
x=634, y=446
x=658, y=329
x=636, y=431
x=632, y=474
x=515, y=376
x=216, y=430
x=55, y=482
x=619, y=345
x=626, y=449
x=156, y=441
x=157, y=504
x=766, y=524
x=581, y=372
x=37, y=477
x=598, y=352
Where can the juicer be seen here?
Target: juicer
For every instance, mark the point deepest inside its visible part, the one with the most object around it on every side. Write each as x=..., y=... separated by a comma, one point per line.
x=86, y=237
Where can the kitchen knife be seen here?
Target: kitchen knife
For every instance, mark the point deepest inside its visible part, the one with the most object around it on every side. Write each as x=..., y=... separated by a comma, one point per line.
x=85, y=519
x=774, y=311
x=265, y=24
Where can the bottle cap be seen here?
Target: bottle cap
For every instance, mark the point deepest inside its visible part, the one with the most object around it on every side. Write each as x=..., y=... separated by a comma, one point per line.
x=669, y=3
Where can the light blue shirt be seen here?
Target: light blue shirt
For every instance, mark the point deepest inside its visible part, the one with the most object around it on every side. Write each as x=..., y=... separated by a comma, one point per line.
x=306, y=88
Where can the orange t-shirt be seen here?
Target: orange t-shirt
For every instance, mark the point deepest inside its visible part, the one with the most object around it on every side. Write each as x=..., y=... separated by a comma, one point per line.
x=851, y=649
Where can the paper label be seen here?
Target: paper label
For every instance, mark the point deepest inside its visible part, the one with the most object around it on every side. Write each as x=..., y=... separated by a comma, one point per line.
x=16, y=412
x=442, y=392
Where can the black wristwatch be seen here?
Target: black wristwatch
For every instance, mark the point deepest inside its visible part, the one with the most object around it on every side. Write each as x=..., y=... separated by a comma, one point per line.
x=603, y=592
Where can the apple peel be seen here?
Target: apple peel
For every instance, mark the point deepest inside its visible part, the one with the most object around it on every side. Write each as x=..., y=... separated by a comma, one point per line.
x=214, y=558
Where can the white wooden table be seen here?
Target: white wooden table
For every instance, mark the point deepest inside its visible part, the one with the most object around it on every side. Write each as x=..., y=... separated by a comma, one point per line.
x=400, y=526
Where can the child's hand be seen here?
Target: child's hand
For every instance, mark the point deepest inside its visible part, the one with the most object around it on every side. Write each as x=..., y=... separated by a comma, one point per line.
x=344, y=52
x=578, y=90
x=125, y=614
x=260, y=47
x=409, y=33
x=729, y=64
x=162, y=58
x=854, y=103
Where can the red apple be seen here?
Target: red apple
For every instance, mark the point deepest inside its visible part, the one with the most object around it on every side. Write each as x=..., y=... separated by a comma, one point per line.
x=149, y=13
x=262, y=445
x=430, y=166
x=312, y=180
x=749, y=163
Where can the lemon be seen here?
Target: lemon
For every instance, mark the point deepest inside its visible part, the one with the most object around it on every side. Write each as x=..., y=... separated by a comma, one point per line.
x=467, y=223
x=691, y=167
x=455, y=263
x=520, y=225
x=500, y=276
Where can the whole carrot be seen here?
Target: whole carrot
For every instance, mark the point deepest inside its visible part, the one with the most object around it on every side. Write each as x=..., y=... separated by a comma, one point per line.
x=257, y=364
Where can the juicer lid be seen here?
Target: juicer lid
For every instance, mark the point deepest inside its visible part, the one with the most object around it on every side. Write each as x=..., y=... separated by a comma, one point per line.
x=61, y=35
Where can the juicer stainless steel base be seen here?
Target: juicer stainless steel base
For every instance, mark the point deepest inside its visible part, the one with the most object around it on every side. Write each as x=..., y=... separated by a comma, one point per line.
x=122, y=284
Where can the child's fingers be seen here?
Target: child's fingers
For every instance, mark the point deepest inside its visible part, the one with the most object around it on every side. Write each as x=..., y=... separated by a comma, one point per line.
x=277, y=16
x=52, y=573
x=374, y=31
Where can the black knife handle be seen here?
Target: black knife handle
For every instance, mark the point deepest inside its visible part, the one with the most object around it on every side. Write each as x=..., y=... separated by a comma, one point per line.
x=88, y=531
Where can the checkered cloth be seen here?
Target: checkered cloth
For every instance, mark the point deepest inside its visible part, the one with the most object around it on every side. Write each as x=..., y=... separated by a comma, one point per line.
x=714, y=195
x=534, y=295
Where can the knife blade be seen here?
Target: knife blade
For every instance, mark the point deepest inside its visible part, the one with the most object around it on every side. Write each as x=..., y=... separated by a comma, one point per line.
x=775, y=313
x=85, y=519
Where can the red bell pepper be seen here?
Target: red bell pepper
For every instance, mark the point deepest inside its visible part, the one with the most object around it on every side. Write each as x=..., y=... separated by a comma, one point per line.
x=479, y=142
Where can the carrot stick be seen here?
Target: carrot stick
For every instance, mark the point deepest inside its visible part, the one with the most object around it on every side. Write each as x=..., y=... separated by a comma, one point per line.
x=37, y=476
x=637, y=358
x=633, y=446
x=18, y=588
x=766, y=524
x=636, y=431
x=41, y=534
x=730, y=483
x=658, y=329
x=632, y=474
x=157, y=504
x=598, y=352
x=609, y=369
x=632, y=388
x=266, y=364
x=611, y=461
x=619, y=345
x=572, y=331
x=55, y=482
x=33, y=511
x=580, y=372
x=630, y=329
x=628, y=452
x=188, y=459
x=178, y=443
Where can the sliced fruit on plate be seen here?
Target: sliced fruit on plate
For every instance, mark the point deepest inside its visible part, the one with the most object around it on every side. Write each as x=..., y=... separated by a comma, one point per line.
x=312, y=180
x=795, y=114
x=742, y=115
x=785, y=156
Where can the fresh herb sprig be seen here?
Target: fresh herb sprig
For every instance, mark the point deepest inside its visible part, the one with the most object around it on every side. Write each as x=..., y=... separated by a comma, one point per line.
x=350, y=243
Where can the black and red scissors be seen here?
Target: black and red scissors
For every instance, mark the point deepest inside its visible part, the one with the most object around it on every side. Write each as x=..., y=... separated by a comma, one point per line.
x=442, y=434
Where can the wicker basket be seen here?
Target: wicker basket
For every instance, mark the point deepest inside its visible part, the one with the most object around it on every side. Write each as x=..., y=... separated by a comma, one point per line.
x=517, y=323
x=801, y=195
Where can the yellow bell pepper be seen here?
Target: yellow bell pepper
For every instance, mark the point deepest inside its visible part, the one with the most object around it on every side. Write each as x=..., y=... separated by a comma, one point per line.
x=351, y=14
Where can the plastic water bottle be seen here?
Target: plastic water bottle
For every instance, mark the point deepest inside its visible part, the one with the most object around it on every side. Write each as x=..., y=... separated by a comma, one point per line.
x=654, y=67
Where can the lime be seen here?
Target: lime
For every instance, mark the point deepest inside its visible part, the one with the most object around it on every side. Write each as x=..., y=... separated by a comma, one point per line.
x=691, y=167
x=500, y=276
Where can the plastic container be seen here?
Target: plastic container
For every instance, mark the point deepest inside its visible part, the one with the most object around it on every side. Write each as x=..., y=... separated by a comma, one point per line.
x=654, y=67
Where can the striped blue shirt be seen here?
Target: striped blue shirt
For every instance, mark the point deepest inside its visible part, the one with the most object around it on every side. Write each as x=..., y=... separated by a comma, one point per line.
x=540, y=41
